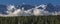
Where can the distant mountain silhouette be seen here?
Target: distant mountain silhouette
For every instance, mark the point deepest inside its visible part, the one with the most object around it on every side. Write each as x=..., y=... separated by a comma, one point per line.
x=26, y=7
x=50, y=7
x=3, y=9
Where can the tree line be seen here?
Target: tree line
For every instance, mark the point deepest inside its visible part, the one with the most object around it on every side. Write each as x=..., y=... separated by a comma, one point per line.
x=30, y=20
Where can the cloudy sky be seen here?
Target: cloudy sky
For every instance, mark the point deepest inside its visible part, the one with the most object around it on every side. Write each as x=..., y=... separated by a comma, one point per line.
x=33, y=2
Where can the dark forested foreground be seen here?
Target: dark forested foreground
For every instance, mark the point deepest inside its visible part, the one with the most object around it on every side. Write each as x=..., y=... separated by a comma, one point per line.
x=30, y=20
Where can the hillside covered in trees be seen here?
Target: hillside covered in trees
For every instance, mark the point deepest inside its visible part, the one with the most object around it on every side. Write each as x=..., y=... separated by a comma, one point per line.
x=30, y=20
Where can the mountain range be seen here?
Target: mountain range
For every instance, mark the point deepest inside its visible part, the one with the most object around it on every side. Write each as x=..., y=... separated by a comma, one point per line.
x=31, y=8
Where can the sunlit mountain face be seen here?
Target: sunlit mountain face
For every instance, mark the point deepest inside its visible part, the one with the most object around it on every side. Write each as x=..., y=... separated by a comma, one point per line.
x=29, y=10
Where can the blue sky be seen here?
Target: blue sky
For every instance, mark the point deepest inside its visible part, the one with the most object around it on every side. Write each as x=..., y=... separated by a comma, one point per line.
x=33, y=2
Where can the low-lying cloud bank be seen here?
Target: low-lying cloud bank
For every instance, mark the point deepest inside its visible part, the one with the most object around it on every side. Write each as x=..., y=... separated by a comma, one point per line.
x=12, y=11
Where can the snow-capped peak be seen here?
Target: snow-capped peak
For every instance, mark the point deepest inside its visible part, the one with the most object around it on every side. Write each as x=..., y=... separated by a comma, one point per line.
x=12, y=10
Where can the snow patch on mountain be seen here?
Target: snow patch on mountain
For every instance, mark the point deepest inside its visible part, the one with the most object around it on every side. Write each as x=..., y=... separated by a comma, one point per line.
x=13, y=11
